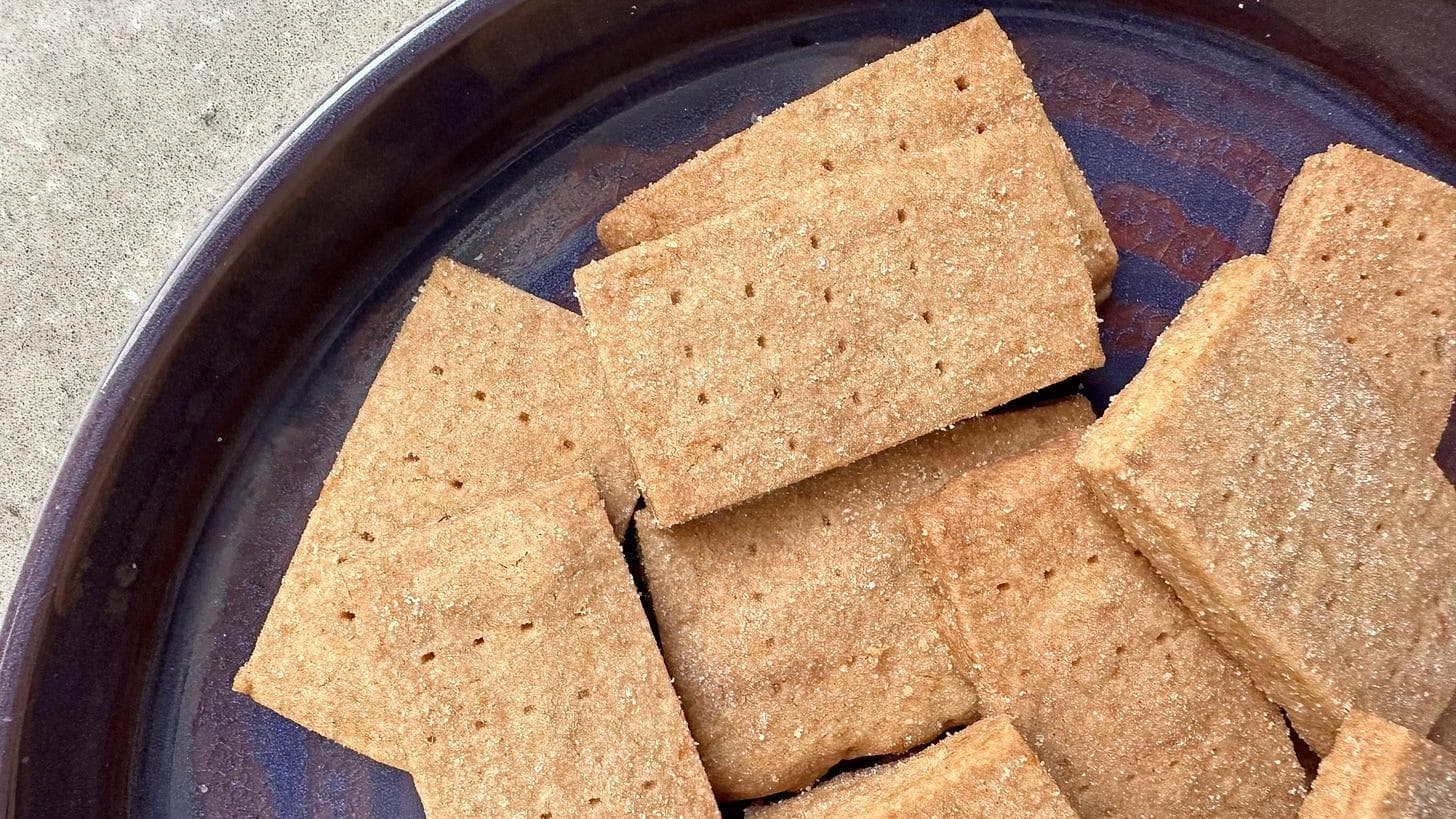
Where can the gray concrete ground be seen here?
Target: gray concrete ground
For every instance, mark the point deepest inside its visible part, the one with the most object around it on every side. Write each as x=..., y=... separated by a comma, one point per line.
x=121, y=125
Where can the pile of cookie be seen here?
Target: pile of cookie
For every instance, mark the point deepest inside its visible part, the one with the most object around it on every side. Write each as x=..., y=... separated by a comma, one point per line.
x=795, y=355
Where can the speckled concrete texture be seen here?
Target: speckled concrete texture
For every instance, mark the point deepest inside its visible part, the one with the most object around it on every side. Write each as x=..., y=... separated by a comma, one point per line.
x=121, y=125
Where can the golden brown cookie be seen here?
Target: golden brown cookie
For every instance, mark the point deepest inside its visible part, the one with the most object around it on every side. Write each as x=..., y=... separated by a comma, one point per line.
x=819, y=326
x=963, y=81
x=1130, y=706
x=1264, y=474
x=1379, y=769
x=983, y=771
x=1372, y=244
x=798, y=627
x=501, y=656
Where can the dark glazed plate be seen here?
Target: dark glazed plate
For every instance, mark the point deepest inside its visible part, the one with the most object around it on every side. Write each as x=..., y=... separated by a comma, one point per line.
x=497, y=132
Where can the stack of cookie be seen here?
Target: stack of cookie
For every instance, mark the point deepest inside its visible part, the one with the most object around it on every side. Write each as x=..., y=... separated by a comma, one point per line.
x=791, y=355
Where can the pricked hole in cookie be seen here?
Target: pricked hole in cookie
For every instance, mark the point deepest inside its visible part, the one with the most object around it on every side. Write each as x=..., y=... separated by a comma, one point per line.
x=1349, y=339
x=769, y=643
x=841, y=345
x=777, y=392
x=925, y=316
x=717, y=447
x=1324, y=257
x=702, y=398
x=430, y=738
x=428, y=656
x=748, y=290
x=755, y=596
x=457, y=483
x=792, y=445
x=1048, y=574
x=1120, y=650
x=763, y=342
x=827, y=164
x=437, y=370
x=1161, y=638
x=904, y=145
x=527, y=626
x=1253, y=459
x=1025, y=672
x=901, y=215
x=1379, y=526
x=1092, y=560
x=752, y=549
x=980, y=127
x=1421, y=237
x=675, y=297
x=854, y=398
x=524, y=417
x=962, y=83
x=346, y=615
x=479, y=395
x=567, y=443
x=1436, y=312
x=593, y=801
x=1228, y=495
x=479, y=724
x=1399, y=292
x=583, y=693
x=1138, y=552
x=687, y=351
x=824, y=518
x=410, y=457
x=1385, y=222
x=529, y=709
x=648, y=785
x=479, y=641
x=814, y=241
x=366, y=537
x=828, y=295
x=1076, y=661
x=940, y=367
x=546, y=815
x=1001, y=587
x=1349, y=208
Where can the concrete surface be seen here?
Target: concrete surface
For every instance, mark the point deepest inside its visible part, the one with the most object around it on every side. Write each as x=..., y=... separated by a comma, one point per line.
x=121, y=125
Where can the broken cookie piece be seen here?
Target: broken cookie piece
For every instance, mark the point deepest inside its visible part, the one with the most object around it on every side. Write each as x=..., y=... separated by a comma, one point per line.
x=1372, y=245
x=1130, y=706
x=501, y=656
x=1379, y=769
x=799, y=628
x=1264, y=474
x=819, y=326
x=961, y=82
x=983, y=771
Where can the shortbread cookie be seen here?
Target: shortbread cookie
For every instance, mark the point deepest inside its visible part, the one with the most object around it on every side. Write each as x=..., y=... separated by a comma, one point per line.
x=984, y=771
x=1372, y=244
x=1131, y=707
x=798, y=627
x=964, y=81
x=819, y=326
x=1263, y=473
x=501, y=656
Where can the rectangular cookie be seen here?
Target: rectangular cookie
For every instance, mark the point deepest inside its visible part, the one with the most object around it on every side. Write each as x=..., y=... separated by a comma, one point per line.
x=1262, y=472
x=798, y=627
x=1379, y=769
x=1372, y=244
x=962, y=81
x=985, y=770
x=816, y=327
x=1130, y=706
x=501, y=656
x=485, y=391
